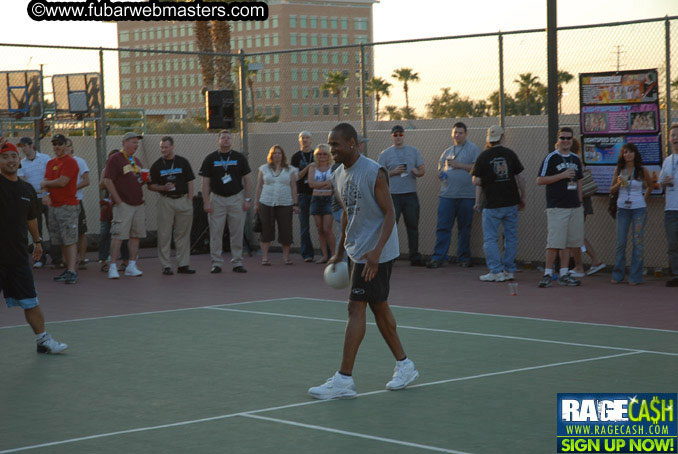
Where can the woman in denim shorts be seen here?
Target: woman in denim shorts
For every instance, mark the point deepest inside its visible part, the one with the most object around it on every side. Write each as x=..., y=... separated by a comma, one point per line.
x=321, y=201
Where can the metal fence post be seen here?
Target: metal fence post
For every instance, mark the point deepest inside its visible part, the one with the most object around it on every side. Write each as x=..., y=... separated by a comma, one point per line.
x=363, y=97
x=101, y=137
x=243, y=101
x=667, y=114
x=502, y=106
x=552, y=64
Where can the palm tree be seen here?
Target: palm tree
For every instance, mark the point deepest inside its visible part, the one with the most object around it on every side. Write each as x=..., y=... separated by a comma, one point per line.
x=405, y=75
x=529, y=94
x=378, y=87
x=392, y=112
x=334, y=83
x=563, y=78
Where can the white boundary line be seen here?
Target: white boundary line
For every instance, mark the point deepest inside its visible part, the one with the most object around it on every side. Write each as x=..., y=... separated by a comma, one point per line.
x=608, y=325
x=151, y=312
x=302, y=404
x=356, y=434
x=467, y=333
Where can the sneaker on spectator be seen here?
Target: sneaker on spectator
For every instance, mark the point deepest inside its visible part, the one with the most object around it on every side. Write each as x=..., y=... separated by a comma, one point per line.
x=545, y=281
x=61, y=277
x=82, y=265
x=49, y=345
x=336, y=387
x=132, y=270
x=574, y=273
x=594, y=269
x=508, y=276
x=403, y=374
x=568, y=280
x=38, y=264
x=493, y=277
x=58, y=265
x=433, y=264
x=113, y=271
x=70, y=277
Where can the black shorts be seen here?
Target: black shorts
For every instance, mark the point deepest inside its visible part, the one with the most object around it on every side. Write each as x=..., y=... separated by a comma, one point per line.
x=374, y=291
x=17, y=286
x=82, y=220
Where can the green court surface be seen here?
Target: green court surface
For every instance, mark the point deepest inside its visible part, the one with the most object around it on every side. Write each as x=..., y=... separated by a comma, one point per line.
x=234, y=379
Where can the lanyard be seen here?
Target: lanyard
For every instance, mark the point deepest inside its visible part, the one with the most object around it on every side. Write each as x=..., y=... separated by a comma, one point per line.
x=305, y=161
x=132, y=162
x=228, y=158
x=164, y=163
x=454, y=150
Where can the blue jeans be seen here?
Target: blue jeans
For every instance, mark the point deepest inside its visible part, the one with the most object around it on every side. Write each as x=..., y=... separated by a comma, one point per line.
x=408, y=206
x=636, y=220
x=671, y=225
x=492, y=219
x=448, y=210
x=304, y=226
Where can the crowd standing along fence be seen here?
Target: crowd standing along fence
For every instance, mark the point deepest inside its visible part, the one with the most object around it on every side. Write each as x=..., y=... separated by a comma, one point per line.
x=481, y=80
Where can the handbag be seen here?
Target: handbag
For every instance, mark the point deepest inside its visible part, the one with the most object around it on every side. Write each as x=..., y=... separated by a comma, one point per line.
x=256, y=228
x=588, y=184
x=612, y=205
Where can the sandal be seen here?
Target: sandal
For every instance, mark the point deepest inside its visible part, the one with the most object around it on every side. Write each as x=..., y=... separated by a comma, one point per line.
x=288, y=262
x=265, y=262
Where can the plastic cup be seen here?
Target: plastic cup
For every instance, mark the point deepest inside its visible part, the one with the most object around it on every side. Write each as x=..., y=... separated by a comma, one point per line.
x=513, y=288
x=145, y=175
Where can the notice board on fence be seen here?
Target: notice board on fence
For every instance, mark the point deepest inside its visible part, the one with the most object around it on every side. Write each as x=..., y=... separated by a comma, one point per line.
x=618, y=108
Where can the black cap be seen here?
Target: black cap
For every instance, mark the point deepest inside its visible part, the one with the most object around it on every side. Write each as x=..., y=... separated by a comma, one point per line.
x=397, y=128
x=26, y=141
x=60, y=139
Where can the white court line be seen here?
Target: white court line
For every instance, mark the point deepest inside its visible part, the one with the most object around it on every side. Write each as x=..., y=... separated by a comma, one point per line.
x=608, y=325
x=467, y=333
x=357, y=435
x=300, y=404
x=151, y=312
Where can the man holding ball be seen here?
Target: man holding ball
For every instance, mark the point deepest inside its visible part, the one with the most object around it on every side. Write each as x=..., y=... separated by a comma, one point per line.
x=369, y=237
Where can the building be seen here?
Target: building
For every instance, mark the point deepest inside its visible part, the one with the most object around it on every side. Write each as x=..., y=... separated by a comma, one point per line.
x=288, y=85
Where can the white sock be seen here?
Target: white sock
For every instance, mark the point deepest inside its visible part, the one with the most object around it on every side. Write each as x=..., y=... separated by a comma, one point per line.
x=132, y=263
x=345, y=377
x=41, y=335
x=548, y=272
x=564, y=271
x=405, y=361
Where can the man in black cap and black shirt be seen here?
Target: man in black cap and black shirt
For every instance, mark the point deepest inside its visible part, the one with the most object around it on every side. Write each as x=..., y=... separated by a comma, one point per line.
x=172, y=177
x=226, y=189
x=19, y=210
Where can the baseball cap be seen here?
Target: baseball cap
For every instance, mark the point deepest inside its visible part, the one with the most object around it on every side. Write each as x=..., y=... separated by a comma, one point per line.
x=494, y=133
x=26, y=141
x=60, y=139
x=132, y=135
x=397, y=128
x=8, y=147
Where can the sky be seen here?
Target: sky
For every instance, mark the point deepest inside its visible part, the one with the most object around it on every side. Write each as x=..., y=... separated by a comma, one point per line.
x=393, y=20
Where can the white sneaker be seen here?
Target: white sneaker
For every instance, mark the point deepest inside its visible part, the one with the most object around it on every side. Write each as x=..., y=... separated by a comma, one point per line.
x=133, y=271
x=403, y=374
x=573, y=273
x=113, y=271
x=508, y=276
x=38, y=264
x=336, y=387
x=49, y=345
x=493, y=277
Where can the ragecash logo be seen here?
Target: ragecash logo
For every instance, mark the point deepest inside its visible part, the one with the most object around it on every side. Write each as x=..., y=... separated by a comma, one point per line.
x=619, y=423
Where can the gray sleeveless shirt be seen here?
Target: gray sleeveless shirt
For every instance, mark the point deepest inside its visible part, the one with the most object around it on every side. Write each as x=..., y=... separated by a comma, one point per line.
x=355, y=185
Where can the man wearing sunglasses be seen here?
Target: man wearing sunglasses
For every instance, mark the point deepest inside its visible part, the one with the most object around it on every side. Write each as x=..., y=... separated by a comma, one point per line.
x=561, y=173
x=404, y=165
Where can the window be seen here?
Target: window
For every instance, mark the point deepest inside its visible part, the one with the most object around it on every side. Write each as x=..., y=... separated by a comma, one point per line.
x=145, y=67
x=137, y=67
x=316, y=92
x=125, y=68
x=314, y=40
x=125, y=84
x=184, y=80
x=240, y=26
x=269, y=111
x=267, y=40
x=146, y=99
x=293, y=39
x=344, y=58
x=268, y=93
x=361, y=39
x=175, y=33
x=143, y=35
x=136, y=35
x=304, y=75
x=344, y=40
x=295, y=110
x=257, y=41
x=335, y=58
x=266, y=24
x=293, y=21
x=257, y=25
x=152, y=82
x=324, y=40
x=326, y=93
x=275, y=40
x=307, y=110
x=335, y=109
x=138, y=100
x=183, y=64
x=347, y=109
x=314, y=75
x=267, y=75
x=316, y=109
x=344, y=91
x=248, y=26
x=277, y=92
x=276, y=59
x=175, y=63
x=313, y=22
x=304, y=57
x=190, y=31
x=294, y=75
x=267, y=59
x=335, y=40
x=325, y=57
x=344, y=23
x=123, y=37
x=191, y=64
x=277, y=111
x=334, y=23
x=274, y=22
x=182, y=31
x=293, y=58
x=139, y=83
x=126, y=100
x=326, y=109
x=184, y=97
x=303, y=21
x=314, y=57
x=304, y=92
x=276, y=75
x=249, y=42
x=323, y=22
x=161, y=82
x=303, y=39
x=161, y=98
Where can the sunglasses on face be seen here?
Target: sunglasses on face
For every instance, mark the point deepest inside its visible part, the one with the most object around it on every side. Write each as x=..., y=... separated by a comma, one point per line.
x=565, y=138
x=398, y=134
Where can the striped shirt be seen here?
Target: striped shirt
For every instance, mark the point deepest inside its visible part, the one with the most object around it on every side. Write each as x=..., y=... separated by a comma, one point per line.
x=34, y=171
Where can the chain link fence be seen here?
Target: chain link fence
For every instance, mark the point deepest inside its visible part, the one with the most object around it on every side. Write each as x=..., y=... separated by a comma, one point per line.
x=318, y=81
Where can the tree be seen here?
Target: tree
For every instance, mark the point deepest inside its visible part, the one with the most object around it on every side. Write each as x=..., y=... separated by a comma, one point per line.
x=406, y=75
x=563, y=78
x=674, y=90
x=378, y=87
x=452, y=105
x=334, y=83
x=393, y=113
x=530, y=95
x=509, y=104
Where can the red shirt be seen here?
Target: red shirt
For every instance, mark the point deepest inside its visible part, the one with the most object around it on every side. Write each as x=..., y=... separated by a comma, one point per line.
x=63, y=166
x=126, y=181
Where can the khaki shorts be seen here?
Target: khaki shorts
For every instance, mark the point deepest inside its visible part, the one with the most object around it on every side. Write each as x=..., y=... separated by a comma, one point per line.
x=566, y=227
x=128, y=222
x=63, y=224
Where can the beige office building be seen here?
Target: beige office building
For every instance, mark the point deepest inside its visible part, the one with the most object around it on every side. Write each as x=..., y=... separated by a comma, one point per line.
x=288, y=85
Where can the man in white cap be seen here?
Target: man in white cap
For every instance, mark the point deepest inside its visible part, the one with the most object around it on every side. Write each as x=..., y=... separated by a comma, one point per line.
x=124, y=181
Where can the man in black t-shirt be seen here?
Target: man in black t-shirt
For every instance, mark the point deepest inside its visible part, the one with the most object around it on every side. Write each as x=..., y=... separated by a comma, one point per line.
x=19, y=210
x=561, y=172
x=302, y=159
x=172, y=177
x=226, y=189
x=497, y=172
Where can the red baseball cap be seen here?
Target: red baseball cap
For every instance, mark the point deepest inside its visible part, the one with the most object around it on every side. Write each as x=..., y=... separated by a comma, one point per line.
x=8, y=147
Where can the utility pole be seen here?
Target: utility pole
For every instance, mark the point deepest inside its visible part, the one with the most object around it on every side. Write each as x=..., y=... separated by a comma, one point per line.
x=619, y=52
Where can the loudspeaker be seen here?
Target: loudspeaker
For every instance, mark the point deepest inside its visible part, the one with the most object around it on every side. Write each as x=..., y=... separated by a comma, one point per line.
x=220, y=109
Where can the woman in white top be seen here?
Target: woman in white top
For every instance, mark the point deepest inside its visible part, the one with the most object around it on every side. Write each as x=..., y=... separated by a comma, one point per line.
x=321, y=200
x=275, y=201
x=630, y=178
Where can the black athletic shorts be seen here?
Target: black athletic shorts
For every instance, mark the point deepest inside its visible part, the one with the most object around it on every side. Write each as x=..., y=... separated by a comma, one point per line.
x=82, y=220
x=374, y=291
x=17, y=286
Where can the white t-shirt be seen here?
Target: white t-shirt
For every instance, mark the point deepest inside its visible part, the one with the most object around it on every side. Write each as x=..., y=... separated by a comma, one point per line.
x=670, y=167
x=276, y=190
x=82, y=169
x=34, y=171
